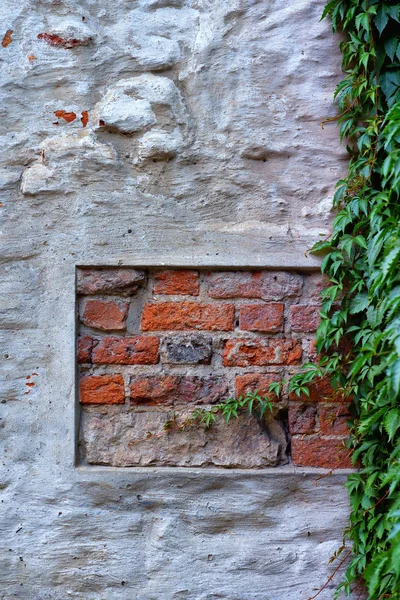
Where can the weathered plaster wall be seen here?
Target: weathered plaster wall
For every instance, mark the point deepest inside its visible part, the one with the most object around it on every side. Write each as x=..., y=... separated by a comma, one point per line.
x=226, y=97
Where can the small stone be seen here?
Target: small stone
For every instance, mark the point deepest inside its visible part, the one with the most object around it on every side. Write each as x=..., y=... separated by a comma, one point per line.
x=194, y=350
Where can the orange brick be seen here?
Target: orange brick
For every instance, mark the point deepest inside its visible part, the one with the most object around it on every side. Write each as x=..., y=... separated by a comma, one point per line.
x=261, y=317
x=107, y=315
x=250, y=382
x=248, y=352
x=180, y=282
x=102, y=389
x=304, y=318
x=180, y=316
x=138, y=350
x=329, y=453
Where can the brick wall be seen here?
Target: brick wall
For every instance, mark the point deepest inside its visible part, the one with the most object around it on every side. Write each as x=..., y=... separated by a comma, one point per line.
x=154, y=344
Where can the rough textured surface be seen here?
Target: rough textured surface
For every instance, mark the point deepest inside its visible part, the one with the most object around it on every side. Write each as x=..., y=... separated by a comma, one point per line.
x=250, y=82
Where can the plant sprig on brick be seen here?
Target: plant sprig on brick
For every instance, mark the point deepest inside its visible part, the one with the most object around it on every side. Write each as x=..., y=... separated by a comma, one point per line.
x=252, y=402
x=359, y=335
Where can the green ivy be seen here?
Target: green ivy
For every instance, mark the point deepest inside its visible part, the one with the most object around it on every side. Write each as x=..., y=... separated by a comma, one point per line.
x=359, y=335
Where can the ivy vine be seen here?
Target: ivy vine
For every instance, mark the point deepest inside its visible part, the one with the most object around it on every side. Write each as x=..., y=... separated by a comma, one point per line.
x=359, y=335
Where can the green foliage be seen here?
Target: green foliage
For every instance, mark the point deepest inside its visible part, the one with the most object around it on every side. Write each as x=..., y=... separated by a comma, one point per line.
x=232, y=407
x=359, y=334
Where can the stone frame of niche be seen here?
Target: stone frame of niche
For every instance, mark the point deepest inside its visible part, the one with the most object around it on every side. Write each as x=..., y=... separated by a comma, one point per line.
x=209, y=471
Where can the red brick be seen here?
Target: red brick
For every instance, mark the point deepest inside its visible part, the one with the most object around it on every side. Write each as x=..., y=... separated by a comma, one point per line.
x=109, y=281
x=250, y=382
x=332, y=419
x=85, y=346
x=320, y=391
x=304, y=318
x=261, y=317
x=179, y=316
x=302, y=418
x=248, y=352
x=329, y=453
x=177, y=282
x=102, y=389
x=138, y=350
x=105, y=314
x=176, y=389
x=267, y=285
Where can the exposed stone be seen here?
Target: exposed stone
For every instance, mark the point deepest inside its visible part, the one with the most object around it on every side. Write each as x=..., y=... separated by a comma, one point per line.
x=123, y=113
x=109, y=281
x=180, y=316
x=137, y=438
x=156, y=53
x=160, y=145
x=102, y=389
x=187, y=350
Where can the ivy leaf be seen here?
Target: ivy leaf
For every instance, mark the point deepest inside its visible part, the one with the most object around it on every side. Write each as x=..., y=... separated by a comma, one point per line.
x=382, y=18
x=394, y=374
x=359, y=303
x=391, y=423
x=391, y=45
x=390, y=260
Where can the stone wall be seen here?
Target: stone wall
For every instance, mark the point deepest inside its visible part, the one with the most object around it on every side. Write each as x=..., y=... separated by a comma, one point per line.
x=156, y=134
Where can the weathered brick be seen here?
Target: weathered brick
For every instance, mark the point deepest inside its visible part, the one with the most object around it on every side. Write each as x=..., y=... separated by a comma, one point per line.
x=195, y=350
x=102, y=389
x=302, y=418
x=138, y=350
x=109, y=281
x=180, y=282
x=108, y=315
x=248, y=352
x=84, y=350
x=332, y=419
x=250, y=382
x=304, y=318
x=266, y=285
x=329, y=453
x=164, y=316
x=320, y=391
x=261, y=317
x=174, y=389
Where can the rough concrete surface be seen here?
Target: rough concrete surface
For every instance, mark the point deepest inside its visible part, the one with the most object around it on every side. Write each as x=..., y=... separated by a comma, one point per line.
x=226, y=97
